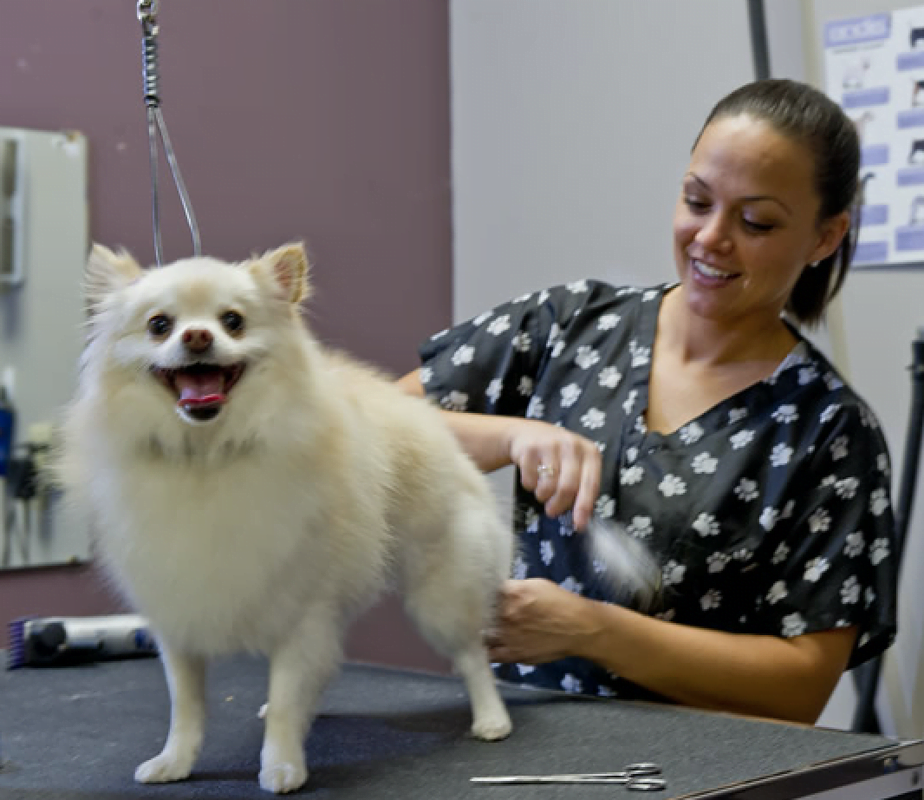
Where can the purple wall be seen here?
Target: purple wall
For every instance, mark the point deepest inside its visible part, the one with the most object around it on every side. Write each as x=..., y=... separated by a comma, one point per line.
x=326, y=121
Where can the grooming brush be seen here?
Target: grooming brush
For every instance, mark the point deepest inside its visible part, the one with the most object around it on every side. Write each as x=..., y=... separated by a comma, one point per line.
x=624, y=564
x=50, y=641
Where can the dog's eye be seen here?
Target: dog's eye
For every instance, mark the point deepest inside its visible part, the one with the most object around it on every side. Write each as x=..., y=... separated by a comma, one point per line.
x=233, y=322
x=160, y=325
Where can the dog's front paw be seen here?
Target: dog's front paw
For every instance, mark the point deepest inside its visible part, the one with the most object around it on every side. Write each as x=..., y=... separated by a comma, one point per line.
x=164, y=768
x=492, y=727
x=283, y=777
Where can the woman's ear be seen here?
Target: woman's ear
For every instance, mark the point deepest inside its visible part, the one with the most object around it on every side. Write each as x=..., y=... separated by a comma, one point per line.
x=831, y=233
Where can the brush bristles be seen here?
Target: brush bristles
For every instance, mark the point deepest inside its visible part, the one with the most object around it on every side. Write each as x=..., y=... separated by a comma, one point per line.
x=624, y=564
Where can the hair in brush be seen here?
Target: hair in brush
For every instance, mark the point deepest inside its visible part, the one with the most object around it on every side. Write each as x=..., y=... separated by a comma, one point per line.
x=625, y=566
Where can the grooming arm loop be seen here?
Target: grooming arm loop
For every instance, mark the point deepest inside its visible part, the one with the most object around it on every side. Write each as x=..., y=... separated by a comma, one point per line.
x=147, y=16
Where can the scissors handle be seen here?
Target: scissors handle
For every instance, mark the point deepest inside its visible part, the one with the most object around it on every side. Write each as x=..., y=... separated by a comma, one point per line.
x=647, y=785
x=642, y=768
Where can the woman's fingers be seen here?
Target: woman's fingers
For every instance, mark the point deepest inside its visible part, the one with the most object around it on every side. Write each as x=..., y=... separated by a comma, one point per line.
x=528, y=464
x=588, y=491
x=566, y=482
x=577, y=483
x=561, y=468
x=547, y=480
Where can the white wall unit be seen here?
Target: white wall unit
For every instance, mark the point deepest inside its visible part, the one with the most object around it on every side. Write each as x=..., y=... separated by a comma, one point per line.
x=41, y=319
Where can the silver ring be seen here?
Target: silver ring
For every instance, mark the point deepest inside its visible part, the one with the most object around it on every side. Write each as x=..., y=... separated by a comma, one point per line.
x=544, y=470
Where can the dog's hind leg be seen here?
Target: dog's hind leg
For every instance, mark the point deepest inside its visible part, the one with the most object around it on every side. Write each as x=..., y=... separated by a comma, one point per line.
x=300, y=669
x=450, y=593
x=440, y=618
x=490, y=720
x=186, y=681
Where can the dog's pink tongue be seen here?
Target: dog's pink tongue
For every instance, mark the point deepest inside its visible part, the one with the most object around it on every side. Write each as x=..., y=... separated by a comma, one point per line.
x=201, y=387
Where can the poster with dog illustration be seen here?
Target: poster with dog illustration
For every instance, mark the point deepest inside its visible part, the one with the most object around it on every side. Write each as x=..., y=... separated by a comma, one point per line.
x=874, y=68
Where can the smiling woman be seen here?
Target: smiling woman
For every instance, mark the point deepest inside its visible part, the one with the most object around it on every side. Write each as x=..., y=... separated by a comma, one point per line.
x=800, y=144
x=745, y=224
x=697, y=415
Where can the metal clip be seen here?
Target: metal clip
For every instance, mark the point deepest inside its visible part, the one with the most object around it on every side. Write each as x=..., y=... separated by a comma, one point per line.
x=147, y=15
x=147, y=11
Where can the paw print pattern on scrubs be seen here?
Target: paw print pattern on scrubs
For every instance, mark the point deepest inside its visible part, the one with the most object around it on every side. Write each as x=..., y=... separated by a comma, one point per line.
x=769, y=513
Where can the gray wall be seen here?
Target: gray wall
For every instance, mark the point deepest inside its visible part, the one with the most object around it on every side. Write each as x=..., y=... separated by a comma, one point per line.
x=572, y=125
x=324, y=120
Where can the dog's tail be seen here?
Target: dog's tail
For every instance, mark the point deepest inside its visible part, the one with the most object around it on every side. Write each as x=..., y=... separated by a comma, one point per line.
x=625, y=565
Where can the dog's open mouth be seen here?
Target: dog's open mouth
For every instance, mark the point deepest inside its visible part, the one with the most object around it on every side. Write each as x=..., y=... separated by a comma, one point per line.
x=201, y=389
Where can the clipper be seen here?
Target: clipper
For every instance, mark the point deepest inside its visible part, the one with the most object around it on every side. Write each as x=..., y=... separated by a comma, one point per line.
x=51, y=641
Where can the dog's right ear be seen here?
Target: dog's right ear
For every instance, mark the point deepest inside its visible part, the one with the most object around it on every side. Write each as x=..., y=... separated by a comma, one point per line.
x=287, y=267
x=107, y=272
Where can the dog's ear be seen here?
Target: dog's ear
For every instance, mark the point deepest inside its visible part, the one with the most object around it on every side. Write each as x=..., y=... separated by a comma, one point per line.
x=288, y=269
x=107, y=272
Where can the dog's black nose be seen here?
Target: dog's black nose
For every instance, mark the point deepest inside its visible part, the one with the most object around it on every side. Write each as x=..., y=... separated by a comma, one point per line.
x=197, y=340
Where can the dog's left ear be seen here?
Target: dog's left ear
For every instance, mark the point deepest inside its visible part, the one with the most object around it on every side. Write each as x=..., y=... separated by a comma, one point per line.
x=288, y=268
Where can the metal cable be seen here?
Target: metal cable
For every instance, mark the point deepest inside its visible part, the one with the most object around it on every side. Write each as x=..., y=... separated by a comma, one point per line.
x=147, y=15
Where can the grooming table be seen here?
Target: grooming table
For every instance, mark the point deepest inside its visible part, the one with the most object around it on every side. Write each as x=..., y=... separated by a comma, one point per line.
x=77, y=733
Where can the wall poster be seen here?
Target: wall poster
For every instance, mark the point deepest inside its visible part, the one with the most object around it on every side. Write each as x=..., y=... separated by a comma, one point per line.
x=874, y=68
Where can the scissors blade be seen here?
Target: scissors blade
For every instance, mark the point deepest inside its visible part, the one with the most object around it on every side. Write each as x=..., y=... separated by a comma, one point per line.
x=497, y=780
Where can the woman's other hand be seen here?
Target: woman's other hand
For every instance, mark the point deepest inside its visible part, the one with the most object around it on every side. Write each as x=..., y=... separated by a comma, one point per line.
x=537, y=621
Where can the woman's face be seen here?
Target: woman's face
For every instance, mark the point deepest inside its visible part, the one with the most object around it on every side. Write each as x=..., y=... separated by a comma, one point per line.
x=746, y=222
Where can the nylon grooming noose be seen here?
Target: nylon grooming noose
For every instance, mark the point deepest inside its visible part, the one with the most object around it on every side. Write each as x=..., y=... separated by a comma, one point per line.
x=147, y=16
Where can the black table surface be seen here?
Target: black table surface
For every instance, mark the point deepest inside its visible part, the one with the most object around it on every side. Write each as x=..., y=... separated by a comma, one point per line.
x=77, y=733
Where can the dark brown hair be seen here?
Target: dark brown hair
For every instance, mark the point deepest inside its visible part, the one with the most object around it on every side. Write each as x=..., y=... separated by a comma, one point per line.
x=811, y=118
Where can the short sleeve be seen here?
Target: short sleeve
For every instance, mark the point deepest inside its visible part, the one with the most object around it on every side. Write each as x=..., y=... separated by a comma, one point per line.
x=490, y=364
x=836, y=565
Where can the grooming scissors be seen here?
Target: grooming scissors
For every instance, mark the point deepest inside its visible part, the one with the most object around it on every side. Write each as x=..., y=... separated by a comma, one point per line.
x=634, y=777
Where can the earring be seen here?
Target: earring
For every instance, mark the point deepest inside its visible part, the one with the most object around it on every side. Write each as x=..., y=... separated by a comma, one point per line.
x=815, y=263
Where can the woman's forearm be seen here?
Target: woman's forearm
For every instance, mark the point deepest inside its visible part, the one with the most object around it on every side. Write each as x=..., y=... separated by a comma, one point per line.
x=751, y=674
x=539, y=621
x=484, y=437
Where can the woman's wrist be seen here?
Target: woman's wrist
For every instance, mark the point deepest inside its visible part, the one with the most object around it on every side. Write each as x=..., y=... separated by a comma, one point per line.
x=593, y=629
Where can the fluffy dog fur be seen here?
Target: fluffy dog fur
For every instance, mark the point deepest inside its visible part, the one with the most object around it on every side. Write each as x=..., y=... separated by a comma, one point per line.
x=260, y=503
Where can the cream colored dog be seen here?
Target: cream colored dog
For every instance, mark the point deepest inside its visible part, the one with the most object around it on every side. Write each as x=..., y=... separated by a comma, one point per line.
x=253, y=492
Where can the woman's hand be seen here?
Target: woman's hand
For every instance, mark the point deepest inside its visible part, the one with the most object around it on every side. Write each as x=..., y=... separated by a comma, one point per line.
x=537, y=621
x=560, y=467
x=768, y=676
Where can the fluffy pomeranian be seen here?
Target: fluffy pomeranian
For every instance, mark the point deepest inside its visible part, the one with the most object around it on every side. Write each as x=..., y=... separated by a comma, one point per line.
x=252, y=491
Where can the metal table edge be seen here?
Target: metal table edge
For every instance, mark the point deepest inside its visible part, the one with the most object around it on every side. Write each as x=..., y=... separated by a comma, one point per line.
x=824, y=776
